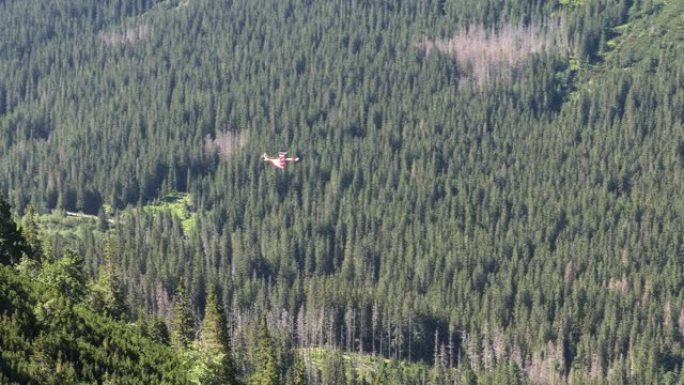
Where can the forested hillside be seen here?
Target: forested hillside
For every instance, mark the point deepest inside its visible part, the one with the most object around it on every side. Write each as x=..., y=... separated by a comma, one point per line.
x=488, y=189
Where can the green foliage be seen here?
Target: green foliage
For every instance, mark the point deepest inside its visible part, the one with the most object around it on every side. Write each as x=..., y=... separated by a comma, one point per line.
x=50, y=337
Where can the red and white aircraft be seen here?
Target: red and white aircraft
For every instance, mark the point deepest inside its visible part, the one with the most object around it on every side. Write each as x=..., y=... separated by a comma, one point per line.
x=281, y=161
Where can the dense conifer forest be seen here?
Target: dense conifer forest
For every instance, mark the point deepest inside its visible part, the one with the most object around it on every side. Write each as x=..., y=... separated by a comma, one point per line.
x=489, y=192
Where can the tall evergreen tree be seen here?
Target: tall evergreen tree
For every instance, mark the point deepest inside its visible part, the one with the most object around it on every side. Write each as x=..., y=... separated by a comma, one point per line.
x=64, y=278
x=107, y=292
x=182, y=324
x=158, y=331
x=12, y=242
x=31, y=234
x=214, y=344
x=266, y=371
x=299, y=371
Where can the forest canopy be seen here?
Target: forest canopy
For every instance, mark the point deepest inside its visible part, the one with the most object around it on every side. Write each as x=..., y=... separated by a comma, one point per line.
x=489, y=191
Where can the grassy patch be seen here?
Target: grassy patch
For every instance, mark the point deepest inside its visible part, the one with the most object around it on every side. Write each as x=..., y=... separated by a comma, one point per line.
x=179, y=204
x=573, y=3
x=57, y=223
x=366, y=367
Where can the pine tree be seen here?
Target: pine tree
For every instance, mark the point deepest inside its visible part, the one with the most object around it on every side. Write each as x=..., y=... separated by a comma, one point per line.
x=182, y=324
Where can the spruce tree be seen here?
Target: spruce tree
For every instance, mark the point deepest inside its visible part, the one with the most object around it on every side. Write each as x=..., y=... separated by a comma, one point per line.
x=182, y=324
x=215, y=344
x=266, y=370
x=31, y=234
x=157, y=330
x=299, y=371
x=12, y=242
x=107, y=293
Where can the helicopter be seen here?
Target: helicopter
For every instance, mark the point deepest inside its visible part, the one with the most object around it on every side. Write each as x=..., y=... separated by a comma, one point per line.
x=281, y=161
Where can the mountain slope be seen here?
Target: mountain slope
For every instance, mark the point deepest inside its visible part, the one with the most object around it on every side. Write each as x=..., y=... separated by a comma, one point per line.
x=525, y=215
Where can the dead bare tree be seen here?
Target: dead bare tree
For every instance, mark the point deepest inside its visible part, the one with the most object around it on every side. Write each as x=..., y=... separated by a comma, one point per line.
x=484, y=54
